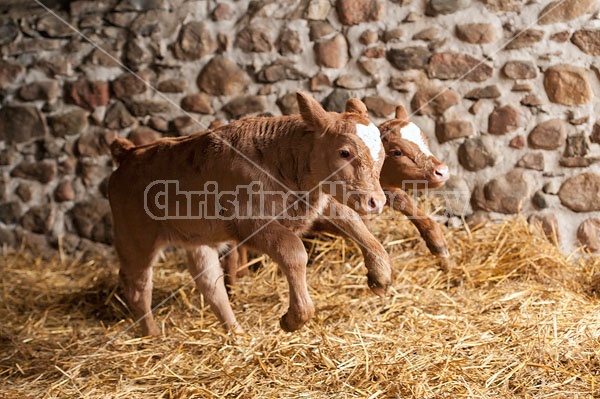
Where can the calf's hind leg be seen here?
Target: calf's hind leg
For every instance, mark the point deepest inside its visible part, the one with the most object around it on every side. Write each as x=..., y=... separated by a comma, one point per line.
x=242, y=261
x=231, y=264
x=235, y=264
x=136, y=277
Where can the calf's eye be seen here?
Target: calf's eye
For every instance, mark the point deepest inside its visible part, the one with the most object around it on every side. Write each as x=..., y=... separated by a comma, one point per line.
x=344, y=154
x=397, y=153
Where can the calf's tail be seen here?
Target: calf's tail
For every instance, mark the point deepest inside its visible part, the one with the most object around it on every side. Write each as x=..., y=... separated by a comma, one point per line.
x=120, y=148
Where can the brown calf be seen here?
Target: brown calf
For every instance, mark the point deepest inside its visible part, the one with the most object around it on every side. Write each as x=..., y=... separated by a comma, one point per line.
x=166, y=193
x=408, y=159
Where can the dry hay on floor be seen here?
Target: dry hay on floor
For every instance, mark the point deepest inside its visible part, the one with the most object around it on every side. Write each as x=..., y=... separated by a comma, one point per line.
x=512, y=317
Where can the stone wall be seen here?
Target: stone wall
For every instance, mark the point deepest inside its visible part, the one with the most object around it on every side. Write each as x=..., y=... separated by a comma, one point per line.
x=505, y=90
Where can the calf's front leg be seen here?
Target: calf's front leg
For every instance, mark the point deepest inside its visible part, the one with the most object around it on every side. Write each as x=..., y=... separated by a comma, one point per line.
x=342, y=220
x=205, y=268
x=429, y=229
x=287, y=250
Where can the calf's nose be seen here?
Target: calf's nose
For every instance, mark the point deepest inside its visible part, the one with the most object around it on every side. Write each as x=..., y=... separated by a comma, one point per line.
x=441, y=173
x=375, y=204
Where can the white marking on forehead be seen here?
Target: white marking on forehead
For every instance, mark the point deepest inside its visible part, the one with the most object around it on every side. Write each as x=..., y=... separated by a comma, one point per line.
x=412, y=133
x=371, y=137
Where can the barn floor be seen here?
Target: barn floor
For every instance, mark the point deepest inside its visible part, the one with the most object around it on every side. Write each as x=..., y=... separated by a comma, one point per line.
x=510, y=318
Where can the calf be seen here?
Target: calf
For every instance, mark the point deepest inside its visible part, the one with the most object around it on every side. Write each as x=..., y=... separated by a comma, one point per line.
x=155, y=200
x=408, y=159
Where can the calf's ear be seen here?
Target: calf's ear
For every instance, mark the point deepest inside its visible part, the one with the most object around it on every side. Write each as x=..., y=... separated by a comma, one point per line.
x=312, y=112
x=401, y=113
x=356, y=106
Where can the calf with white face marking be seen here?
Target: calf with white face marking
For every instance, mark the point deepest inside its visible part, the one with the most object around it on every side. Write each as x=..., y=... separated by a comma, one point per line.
x=407, y=159
x=287, y=155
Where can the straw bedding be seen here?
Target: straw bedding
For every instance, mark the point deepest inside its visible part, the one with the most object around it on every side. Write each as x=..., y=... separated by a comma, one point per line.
x=508, y=317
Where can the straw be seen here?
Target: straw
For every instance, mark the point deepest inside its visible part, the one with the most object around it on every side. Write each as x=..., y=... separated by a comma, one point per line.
x=508, y=317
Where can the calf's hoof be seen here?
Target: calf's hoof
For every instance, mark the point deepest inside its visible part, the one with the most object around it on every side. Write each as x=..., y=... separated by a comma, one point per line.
x=379, y=274
x=285, y=326
x=447, y=264
x=151, y=331
x=439, y=250
x=442, y=253
x=379, y=290
x=291, y=323
x=236, y=329
x=379, y=284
